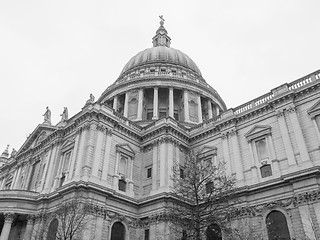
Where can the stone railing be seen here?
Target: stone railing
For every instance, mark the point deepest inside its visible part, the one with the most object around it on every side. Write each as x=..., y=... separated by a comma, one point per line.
x=281, y=89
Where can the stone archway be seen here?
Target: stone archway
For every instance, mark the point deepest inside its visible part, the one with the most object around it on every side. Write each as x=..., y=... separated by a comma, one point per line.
x=118, y=231
x=52, y=230
x=213, y=232
x=277, y=226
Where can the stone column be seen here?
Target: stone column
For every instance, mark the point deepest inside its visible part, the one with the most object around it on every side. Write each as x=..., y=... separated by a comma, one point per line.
x=298, y=134
x=29, y=227
x=199, y=109
x=171, y=103
x=140, y=105
x=155, y=103
x=115, y=103
x=8, y=220
x=186, y=105
x=210, y=109
x=217, y=110
x=125, y=108
x=286, y=138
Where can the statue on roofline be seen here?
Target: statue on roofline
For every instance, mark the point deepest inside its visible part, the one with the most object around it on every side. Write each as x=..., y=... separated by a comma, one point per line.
x=90, y=100
x=47, y=116
x=64, y=115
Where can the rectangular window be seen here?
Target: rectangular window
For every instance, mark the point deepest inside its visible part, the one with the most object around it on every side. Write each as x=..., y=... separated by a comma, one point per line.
x=209, y=187
x=149, y=114
x=146, y=234
x=149, y=172
x=122, y=185
x=162, y=112
x=266, y=171
x=181, y=173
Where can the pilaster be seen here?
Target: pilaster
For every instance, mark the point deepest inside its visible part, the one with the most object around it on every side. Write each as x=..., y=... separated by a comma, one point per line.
x=298, y=134
x=98, y=150
x=106, y=157
x=226, y=154
x=74, y=156
x=237, y=155
x=285, y=137
x=155, y=167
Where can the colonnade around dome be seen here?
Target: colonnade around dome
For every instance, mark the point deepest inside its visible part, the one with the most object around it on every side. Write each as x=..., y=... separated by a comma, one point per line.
x=147, y=104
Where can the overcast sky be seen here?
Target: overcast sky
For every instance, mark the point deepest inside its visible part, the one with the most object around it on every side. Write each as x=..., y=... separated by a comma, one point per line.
x=55, y=53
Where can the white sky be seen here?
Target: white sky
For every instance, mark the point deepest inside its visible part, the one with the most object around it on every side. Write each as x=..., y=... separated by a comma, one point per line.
x=55, y=53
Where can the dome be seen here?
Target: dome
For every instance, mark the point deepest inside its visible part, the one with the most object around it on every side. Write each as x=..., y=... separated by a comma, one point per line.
x=160, y=54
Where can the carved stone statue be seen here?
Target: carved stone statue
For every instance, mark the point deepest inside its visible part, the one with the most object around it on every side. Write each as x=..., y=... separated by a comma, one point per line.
x=47, y=116
x=64, y=115
x=90, y=100
x=13, y=153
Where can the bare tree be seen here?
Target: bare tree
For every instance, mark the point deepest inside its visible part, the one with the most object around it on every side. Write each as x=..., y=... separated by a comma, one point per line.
x=68, y=220
x=203, y=194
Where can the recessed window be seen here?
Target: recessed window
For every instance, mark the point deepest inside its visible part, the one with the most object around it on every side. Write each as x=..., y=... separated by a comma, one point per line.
x=149, y=114
x=209, y=187
x=122, y=185
x=262, y=149
x=182, y=173
x=266, y=171
x=149, y=172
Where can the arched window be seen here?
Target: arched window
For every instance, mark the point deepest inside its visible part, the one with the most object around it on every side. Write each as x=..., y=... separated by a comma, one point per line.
x=118, y=231
x=277, y=226
x=52, y=230
x=214, y=232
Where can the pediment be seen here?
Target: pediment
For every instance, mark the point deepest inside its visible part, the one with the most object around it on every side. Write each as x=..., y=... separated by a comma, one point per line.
x=314, y=110
x=40, y=133
x=258, y=131
x=126, y=149
x=206, y=151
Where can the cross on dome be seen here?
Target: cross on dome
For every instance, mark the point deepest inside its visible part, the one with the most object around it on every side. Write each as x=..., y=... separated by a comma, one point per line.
x=161, y=38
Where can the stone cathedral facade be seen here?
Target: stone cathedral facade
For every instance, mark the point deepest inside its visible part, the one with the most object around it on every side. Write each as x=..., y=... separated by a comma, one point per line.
x=119, y=151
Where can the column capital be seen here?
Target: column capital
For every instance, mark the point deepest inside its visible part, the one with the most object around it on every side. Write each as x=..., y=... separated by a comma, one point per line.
x=30, y=218
x=9, y=217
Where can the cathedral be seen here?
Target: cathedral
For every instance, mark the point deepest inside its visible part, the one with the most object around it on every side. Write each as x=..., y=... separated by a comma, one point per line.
x=119, y=150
